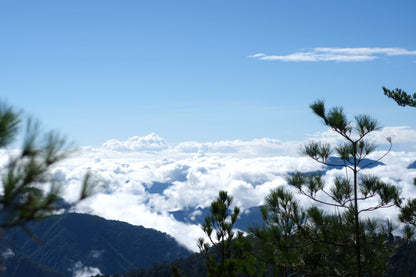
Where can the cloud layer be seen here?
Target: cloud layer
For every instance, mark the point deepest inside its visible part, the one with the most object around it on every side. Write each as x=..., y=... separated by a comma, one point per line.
x=336, y=54
x=143, y=183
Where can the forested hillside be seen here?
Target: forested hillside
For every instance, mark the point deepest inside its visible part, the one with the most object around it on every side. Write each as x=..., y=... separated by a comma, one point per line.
x=69, y=243
x=401, y=264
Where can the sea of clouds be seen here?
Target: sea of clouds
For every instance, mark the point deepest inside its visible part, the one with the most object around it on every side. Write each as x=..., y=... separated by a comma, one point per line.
x=145, y=178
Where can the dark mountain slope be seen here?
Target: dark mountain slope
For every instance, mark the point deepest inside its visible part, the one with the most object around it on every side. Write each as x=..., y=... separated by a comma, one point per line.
x=412, y=165
x=111, y=246
x=247, y=218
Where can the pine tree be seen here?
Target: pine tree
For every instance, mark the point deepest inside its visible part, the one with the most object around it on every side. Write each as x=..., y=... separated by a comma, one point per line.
x=401, y=97
x=408, y=211
x=344, y=242
x=28, y=190
x=279, y=240
x=225, y=253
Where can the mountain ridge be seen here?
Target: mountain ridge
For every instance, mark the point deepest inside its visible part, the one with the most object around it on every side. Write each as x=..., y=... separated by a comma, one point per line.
x=107, y=246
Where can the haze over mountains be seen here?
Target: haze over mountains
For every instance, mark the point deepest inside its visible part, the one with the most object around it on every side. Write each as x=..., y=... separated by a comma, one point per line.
x=149, y=182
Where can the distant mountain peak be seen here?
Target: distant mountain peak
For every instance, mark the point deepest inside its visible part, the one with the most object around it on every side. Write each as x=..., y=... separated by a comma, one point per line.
x=364, y=163
x=412, y=165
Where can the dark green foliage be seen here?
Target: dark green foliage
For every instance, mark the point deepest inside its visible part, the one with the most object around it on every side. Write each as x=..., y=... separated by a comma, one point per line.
x=318, y=151
x=29, y=192
x=191, y=266
x=401, y=97
x=219, y=222
x=9, y=125
x=175, y=271
x=408, y=212
x=312, y=242
x=26, y=174
x=283, y=217
x=403, y=262
x=223, y=256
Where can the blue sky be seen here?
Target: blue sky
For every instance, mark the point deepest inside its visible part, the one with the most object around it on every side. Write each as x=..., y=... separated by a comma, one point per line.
x=101, y=70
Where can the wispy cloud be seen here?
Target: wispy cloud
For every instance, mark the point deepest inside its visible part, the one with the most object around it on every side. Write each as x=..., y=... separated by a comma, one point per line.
x=8, y=253
x=79, y=270
x=336, y=54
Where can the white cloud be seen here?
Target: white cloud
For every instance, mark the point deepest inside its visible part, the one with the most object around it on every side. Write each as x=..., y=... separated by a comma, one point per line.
x=96, y=254
x=150, y=212
x=8, y=253
x=367, y=51
x=336, y=54
x=402, y=137
x=190, y=175
x=253, y=148
x=79, y=270
x=259, y=55
x=151, y=142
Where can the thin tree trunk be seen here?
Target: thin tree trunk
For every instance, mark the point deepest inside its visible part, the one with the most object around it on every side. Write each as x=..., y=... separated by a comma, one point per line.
x=357, y=223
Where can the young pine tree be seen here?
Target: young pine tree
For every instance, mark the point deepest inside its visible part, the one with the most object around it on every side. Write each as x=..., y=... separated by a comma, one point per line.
x=344, y=242
x=226, y=252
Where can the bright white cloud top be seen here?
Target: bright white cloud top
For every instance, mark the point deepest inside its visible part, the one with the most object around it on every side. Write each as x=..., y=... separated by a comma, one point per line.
x=143, y=183
x=151, y=142
x=336, y=54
